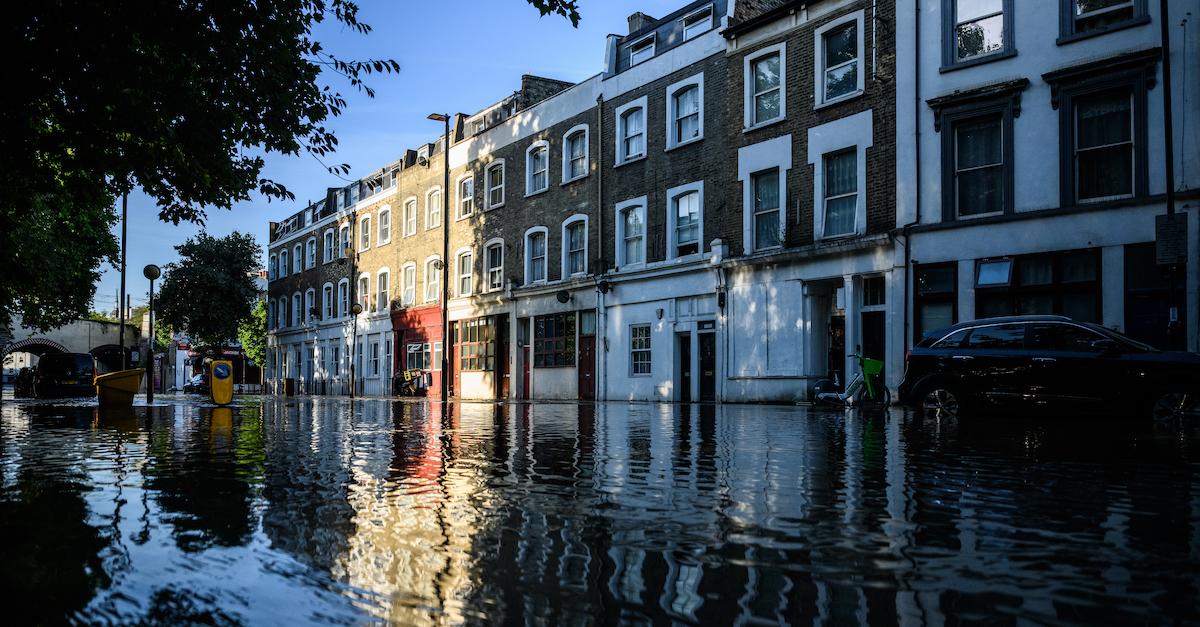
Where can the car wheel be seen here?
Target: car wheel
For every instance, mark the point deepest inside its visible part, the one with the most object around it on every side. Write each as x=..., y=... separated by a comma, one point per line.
x=1175, y=405
x=940, y=401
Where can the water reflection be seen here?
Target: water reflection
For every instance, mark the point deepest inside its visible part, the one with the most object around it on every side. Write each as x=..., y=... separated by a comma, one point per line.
x=323, y=510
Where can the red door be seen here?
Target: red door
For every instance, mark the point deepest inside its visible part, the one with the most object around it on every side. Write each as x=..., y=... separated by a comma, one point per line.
x=587, y=367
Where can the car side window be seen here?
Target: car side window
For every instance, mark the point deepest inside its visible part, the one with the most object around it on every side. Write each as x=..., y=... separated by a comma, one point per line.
x=954, y=340
x=1003, y=336
x=1077, y=339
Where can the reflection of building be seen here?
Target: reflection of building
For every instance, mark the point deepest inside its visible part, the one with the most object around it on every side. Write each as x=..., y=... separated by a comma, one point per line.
x=731, y=208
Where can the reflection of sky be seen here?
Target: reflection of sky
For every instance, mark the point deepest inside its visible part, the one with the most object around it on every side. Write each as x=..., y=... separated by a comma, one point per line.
x=661, y=513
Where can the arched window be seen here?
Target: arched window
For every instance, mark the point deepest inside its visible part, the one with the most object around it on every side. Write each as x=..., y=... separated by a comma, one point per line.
x=281, y=311
x=494, y=184
x=297, y=308
x=329, y=245
x=383, y=297
x=283, y=264
x=537, y=168
x=535, y=255
x=433, y=208
x=466, y=196
x=408, y=280
x=464, y=264
x=297, y=259
x=344, y=241
x=271, y=314
x=575, y=153
x=273, y=269
x=410, y=217
x=631, y=131
x=310, y=257
x=631, y=232
x=364, y=291
x=574, y=248
x=493, y=259
x=685, y=111
x=433, y=280
x=310, y=305
x=327, y=301
x=343, y=298
x=364, y=233
x=385, y=224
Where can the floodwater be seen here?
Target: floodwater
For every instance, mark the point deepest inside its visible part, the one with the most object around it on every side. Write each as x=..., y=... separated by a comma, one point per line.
x=326, y=511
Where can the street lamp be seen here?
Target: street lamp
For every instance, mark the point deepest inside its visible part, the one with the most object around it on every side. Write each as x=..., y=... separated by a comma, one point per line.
x=447, y=345
x=355, y=309
x=151, y=272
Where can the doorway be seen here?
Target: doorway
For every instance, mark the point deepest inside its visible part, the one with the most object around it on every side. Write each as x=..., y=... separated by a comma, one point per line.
x=708, y=367
x=523, y=342
x=502, y=379
x=874, y=334
x=836, y=358
x=586, y=371
x=1148, y=300
x=684, y=341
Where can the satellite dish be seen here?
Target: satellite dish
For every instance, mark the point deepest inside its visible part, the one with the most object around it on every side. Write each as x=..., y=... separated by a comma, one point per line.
x=563, y=296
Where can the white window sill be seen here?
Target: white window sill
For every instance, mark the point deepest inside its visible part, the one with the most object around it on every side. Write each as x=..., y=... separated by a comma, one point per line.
x=839, y=236
x=383, y=243
x=767, y=249
x=572, y=180
x=839, y=100
x=434, y=227
x=761, y=125
x=687, y=258
x=466, y=217
x=535, y=283
x=630, y=160
x=493, y=207
x=631, y=266
x=683, y=143
x=537, y=192
x=977, y=216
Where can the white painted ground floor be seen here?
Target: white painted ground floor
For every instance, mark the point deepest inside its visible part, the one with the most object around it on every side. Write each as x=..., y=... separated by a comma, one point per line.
x=767, y=328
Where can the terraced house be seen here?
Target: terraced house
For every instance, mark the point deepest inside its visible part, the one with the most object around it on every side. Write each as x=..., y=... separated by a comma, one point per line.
x=750, y=192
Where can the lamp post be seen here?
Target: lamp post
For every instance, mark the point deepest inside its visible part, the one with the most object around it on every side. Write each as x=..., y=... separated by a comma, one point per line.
x=447, y=345
x=151, y=272
x=354, y=309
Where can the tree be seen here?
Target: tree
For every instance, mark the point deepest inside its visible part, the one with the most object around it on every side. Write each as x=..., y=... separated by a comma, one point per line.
x=210, y=290
x=181, y=99
x=252, y=333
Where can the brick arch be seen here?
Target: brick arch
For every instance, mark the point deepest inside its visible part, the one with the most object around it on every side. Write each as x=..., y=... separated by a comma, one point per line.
x=35, y=345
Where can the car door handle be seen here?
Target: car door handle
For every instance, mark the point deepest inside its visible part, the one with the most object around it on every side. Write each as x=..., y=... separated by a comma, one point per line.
x=963, y=357
x=1045, y=360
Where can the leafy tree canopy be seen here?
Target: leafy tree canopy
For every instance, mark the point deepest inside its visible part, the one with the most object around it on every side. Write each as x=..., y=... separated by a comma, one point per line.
x=210, y=290
x=181, y=99
x=252, y=333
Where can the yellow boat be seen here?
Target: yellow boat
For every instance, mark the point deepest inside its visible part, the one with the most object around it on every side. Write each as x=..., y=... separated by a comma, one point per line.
x=117, y=388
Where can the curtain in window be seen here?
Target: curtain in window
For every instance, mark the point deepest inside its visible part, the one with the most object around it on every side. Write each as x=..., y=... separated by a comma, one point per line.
x=537, y=257
x=577, y=155
x=1104, y=145
x=633, y=235
x=575, y=261
x=766, y=209
x=841, y=193
x=687, y=114
x=687, y=219
x=980, y=166
x=633, y=133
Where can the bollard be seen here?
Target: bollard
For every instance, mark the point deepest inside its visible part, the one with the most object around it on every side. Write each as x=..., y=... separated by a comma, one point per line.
x=220, y=382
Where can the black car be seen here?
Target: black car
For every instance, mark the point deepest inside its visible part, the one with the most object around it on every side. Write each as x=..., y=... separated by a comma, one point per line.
x=1024, y=362
x=63, y=375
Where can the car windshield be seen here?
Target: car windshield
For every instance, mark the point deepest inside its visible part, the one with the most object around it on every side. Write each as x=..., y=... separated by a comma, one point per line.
x=66, y=365
x=1121, y=338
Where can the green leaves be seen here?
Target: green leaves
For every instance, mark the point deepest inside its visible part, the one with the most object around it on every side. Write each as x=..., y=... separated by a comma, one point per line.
x=252, y=333
x=211, y=290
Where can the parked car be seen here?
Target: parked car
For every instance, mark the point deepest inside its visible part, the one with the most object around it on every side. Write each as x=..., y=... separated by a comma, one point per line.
x=63, y=375
x=1024, y=362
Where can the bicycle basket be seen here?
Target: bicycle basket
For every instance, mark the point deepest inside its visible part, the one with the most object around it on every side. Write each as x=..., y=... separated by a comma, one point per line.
x=871, y=367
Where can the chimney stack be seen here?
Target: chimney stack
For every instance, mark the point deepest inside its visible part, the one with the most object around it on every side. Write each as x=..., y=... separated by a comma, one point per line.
x=638, y=21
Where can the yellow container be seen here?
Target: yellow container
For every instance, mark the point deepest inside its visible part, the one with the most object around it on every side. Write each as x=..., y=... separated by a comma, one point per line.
x=220, y=382
x=117, y=388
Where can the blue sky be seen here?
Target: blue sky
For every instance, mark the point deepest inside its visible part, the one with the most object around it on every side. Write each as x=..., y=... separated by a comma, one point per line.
x=454, y=55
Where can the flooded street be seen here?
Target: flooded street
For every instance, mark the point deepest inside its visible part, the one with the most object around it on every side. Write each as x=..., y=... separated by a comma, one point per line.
x=323, y=511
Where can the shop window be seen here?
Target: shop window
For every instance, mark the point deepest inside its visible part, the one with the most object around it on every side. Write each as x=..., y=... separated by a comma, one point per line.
x=554, y=341
x=477, y=345
x=936, y=299
x=1064, y=283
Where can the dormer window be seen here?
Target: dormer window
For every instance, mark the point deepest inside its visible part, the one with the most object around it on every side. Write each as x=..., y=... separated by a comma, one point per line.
x=641, y=50
x=697, y=23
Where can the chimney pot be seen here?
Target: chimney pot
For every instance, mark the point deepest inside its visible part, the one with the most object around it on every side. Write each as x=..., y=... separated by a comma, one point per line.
x=638, y=21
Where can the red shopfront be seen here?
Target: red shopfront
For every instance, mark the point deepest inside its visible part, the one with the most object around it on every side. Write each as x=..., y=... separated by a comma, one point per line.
x=418, y=340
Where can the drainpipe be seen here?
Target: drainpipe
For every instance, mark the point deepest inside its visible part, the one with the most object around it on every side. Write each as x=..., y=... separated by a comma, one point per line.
x=908, y=275
x=1173, y=328
x=601, y=304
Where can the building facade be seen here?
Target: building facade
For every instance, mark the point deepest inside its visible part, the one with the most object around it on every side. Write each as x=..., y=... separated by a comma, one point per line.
x=750, y=194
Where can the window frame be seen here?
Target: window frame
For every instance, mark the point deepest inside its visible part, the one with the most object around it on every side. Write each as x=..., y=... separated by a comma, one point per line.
x=310, y=253
x=465, y=251
x=640, y=42
x=489, y=186
x=384, y=218
x=528, y=239
x=327, y=301
x=363, y=296
x=672, y=126
x=462, y=199
x=620, y=208
x=364, y=233
x=410, y=218
x=684, y=25
x=296, y=316
x=673, y=195
x=621, y=115
x=297, y=258
x=310, y=303
x=823, y=205
x=647, y=350
x=749, y=97
x=329, y=241
x=920, y=299
x=820, y=71
x=1067, y=32
x=1056, y=288
x=493, y=243
x=408, y=287
x=950, y=59
x=345, y=239
x=430, y=263
x=558, y=357
x=530, y=172
x=566, y=153
x=343, y=298
x=273, y=267
x=432, y=209
x=475, y=340
x=781, y=209
x=566, y=251
x=383, y=293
